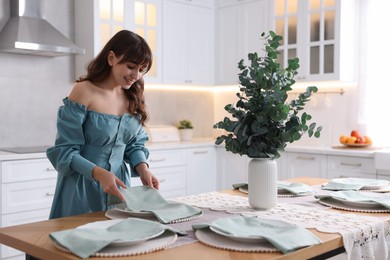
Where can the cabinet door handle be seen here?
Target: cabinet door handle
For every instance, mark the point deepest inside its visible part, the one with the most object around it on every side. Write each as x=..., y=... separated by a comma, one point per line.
x=201, y=152
x=305, y=158
x=50, y=194
x=351, y=164
x=162, y=180
x=157, y=160
x=50, y=169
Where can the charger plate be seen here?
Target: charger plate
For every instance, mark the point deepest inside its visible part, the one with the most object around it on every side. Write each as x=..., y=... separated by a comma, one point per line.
x=208, y=237
x=149, y=246
x=338, y=204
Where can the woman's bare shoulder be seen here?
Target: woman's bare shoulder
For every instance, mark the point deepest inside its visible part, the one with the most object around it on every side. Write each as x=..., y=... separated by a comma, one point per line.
x=82, y=93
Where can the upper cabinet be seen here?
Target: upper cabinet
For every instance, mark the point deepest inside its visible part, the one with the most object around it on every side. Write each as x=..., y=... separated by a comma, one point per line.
x=187, y=42
x=98, y=20
x=239, y=25
x=322, y=34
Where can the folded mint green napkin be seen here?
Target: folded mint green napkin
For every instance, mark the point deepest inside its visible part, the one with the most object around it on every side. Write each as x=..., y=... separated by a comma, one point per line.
x=351, y=183
x=284, y=236
x=296, y=188
x=146, y=199
x=356, y=196
x=85, y=242
x=240, y=185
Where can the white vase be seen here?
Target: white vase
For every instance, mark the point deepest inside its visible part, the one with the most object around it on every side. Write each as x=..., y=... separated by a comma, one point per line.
x=262, y=183
x=185, y=134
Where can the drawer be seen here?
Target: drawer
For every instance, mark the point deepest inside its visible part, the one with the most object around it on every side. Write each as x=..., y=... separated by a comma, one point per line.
x=27, y=170
x=171, y=178
x=19, y=219
x=24, y=196
x=166, y=158
x=353, y=164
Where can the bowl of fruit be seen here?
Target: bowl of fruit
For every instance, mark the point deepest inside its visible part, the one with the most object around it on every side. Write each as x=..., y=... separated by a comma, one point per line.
x=355, y=139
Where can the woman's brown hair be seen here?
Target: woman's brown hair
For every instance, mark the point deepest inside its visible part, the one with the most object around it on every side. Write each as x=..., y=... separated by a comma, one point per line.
x=135, y=50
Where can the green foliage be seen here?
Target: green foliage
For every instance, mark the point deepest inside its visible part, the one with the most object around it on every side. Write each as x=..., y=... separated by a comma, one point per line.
x=184, y=124
x=262, y=121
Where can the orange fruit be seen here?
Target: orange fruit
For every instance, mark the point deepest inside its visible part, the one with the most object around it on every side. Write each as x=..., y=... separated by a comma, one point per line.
x=368, y=140
x=343, y=139
x=351, y=140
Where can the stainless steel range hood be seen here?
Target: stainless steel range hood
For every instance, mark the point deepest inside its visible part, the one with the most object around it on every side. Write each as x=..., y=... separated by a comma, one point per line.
x=27, y=32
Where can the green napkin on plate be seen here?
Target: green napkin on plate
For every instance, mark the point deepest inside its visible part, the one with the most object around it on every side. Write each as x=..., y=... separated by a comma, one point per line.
x=357, y=196
x=352, y=183
x=294, y=188
x=85, y=242
x=284, y=236
x=146, y=199
x=240, y=185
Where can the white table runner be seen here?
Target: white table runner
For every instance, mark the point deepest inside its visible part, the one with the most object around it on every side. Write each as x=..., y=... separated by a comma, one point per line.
x=364, y=237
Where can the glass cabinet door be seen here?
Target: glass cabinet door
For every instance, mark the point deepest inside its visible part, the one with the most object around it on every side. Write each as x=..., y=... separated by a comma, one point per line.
x=308, y=30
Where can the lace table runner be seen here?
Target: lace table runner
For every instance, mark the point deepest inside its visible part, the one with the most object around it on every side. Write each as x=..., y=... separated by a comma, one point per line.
x=364, y=237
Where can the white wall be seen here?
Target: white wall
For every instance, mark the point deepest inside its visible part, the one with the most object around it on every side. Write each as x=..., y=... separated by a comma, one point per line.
x=32, y=87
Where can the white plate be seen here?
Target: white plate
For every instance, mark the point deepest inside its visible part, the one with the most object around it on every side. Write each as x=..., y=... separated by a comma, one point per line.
x=239, y=238
x=243, y=190
x=107, y=223
x=149, y=246
x=372, y=184
x=359, y=204
x=123, y=208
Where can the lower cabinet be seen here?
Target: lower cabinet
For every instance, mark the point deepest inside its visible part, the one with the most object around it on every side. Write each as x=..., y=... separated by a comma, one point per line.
x=27, y=189
x=299, y=164
x=231, y=168
x=169, y=166
x=183, y=171
x=305, y=165
x=201, y=169
x=349, y=166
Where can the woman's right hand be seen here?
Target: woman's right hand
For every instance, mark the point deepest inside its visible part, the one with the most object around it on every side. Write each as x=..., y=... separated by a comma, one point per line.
x=108, y=181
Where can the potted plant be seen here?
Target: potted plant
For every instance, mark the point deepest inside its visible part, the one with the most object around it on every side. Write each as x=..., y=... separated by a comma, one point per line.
x=263, y=122
x=185, y=129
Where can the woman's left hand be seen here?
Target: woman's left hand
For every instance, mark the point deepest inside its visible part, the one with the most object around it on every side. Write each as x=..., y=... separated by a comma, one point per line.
x=146, y=176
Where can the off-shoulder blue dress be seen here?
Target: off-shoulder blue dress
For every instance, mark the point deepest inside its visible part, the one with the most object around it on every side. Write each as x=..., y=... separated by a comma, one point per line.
x=86, y=139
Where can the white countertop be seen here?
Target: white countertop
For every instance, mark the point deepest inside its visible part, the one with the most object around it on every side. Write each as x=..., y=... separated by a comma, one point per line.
x=207, y=142
x=201, y=142
x=336, y=149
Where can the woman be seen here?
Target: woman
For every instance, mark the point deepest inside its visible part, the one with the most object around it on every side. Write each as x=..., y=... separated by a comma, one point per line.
x=100, y=127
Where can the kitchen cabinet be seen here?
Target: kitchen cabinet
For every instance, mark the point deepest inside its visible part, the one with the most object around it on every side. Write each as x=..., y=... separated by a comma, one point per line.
x=27, y=189
x=239, y=27
x=98, y=20
x=305, y=165
x=231, y=168
x=183, y=171
x=169, y=166
x=187, y=43
x=322, y=34
x=201, y=170
x=349, y=166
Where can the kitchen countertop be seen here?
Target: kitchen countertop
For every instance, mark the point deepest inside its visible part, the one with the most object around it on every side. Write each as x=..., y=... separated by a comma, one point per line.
x=196, y=143
x=337, y=149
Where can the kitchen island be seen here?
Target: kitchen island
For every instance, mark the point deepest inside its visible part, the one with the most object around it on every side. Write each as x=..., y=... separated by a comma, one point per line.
x=34, y=240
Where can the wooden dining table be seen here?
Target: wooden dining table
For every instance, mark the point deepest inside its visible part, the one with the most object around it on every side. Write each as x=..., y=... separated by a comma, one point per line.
x=33, y=239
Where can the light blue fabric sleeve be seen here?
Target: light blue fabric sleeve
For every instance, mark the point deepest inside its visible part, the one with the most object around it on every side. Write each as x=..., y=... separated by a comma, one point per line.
x=65, y=154
x=136, y=152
